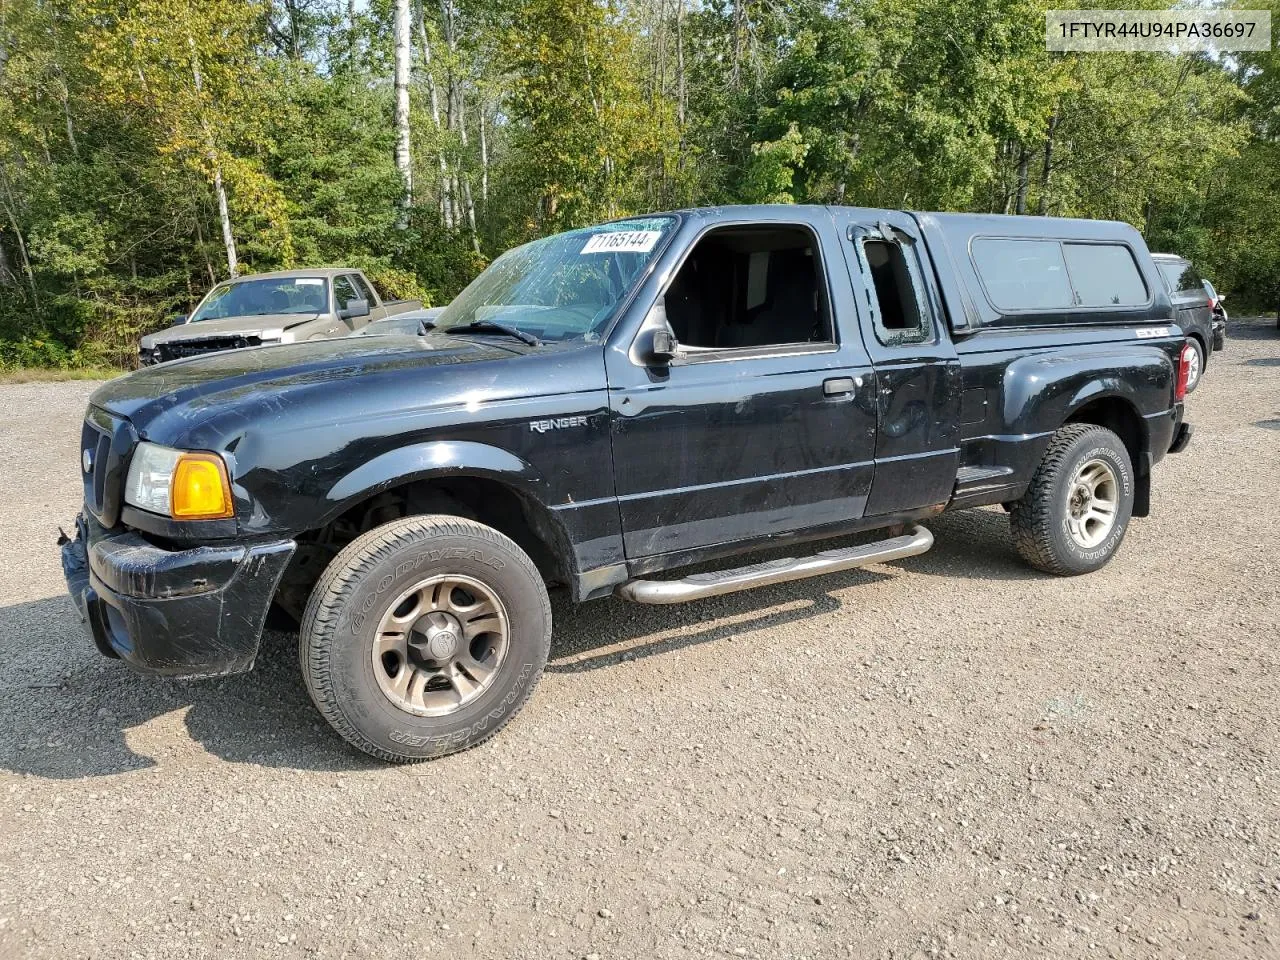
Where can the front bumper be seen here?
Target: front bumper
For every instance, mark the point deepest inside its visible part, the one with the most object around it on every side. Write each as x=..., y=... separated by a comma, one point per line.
x=177, y=613
x=1219, y=334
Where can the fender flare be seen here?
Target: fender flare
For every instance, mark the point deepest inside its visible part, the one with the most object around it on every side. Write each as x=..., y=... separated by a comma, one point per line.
x=1095, y=391
x=431, y=459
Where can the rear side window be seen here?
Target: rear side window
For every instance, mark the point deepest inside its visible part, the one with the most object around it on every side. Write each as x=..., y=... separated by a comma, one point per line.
x=362, y=288
x=1023, y=274
x=900, y=319
x=1104, y=275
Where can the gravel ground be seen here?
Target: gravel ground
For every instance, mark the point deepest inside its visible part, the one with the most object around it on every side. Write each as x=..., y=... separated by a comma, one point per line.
x=945, y=756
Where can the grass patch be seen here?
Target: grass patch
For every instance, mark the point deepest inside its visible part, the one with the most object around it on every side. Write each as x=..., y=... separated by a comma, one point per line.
x=53, y=375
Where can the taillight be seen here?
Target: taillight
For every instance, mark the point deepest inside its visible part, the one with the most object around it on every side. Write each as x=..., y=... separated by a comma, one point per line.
x=1184, y=371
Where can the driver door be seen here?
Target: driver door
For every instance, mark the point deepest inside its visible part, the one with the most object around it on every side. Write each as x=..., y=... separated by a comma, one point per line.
x=765, y=423
x=344, y=291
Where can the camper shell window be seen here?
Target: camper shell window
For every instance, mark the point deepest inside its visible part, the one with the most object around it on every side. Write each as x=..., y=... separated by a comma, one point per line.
x=1055, y=276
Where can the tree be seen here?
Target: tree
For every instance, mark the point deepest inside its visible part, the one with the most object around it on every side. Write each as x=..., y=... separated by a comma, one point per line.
x=403, y=59
x=582, y=134
x=199, y=92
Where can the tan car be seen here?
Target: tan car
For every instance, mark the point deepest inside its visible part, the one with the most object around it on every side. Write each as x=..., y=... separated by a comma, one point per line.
x=265, y=308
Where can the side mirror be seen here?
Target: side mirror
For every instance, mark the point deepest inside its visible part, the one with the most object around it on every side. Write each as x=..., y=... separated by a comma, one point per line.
x=1222, y=298
x=178, y=320
x=353, y=309
x=664, y=347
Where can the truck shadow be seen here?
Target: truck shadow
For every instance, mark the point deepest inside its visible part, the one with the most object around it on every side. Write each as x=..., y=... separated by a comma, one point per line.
x=971, y=544
x=68, y=713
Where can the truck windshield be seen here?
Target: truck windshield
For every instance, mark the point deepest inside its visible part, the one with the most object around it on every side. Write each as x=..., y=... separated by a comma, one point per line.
x=256, y=298
x=562, y=287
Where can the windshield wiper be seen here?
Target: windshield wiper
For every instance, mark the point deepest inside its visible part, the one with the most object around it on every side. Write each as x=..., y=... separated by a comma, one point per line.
x=492, y=326
x=424, y=326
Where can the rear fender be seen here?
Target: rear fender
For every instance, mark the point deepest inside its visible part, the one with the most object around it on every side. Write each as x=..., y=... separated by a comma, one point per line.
x=1043, y=391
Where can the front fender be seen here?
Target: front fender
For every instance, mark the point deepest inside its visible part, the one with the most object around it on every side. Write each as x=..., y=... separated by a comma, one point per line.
x=433, y=458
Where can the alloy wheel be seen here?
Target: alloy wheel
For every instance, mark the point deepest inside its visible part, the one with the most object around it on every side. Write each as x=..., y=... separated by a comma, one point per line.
x=440, y=645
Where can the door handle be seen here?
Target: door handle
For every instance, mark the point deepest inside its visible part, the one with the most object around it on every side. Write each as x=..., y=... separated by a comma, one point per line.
x=839, y=386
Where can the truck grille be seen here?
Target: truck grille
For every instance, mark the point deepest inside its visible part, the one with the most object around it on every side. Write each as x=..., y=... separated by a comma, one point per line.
x=177, y=349
x=105, y=443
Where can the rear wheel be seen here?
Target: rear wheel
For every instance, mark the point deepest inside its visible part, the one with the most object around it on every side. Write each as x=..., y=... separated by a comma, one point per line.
x=424, y=637
x=1074, y=515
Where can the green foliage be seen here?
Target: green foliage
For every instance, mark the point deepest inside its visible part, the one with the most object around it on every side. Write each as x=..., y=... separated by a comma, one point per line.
x=120, y=118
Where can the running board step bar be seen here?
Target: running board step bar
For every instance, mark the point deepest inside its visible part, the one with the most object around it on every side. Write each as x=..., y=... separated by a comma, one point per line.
x=713, y=584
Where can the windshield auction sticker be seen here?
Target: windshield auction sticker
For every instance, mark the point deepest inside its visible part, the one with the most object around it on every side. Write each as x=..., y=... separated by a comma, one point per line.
x=1158, y=31
x=621, y=241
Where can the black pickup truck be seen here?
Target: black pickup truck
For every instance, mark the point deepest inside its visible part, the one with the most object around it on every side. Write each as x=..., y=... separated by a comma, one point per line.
x=602, y=407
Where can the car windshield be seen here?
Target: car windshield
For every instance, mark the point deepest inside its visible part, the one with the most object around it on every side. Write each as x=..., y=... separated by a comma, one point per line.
x=562, y=287
x=255, y=298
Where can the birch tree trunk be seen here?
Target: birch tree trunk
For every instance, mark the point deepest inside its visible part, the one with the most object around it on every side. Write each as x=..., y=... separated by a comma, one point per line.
x=466, y=176
x=1020, y=200
x=66, y=113
x=1046, y=172
x=10, y=210
x=452, y=191
x=682, y=97
x=224, y=213
x=403, y=155
x=433, y=94
x=484, y=160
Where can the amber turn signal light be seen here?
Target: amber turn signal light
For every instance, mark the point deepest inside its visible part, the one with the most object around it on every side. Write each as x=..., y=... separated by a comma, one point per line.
x=200, y=490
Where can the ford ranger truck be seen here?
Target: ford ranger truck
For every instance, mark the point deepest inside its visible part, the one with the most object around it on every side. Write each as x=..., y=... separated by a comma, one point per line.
x=602, y=408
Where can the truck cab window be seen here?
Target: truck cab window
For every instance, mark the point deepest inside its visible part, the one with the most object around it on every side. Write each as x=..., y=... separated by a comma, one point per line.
x=900, y=317
x=344, y=292
x=747, y=288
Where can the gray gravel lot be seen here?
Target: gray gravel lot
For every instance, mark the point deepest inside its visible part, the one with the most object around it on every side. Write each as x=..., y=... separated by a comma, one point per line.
x=946, y=756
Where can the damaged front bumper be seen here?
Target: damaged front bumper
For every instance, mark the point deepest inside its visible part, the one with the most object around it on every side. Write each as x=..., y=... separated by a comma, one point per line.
x=177, y=613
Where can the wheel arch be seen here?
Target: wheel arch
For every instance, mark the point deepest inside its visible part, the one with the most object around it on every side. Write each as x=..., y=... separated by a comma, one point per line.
x=456, y=478
x=425, y=461
x=1120, y=415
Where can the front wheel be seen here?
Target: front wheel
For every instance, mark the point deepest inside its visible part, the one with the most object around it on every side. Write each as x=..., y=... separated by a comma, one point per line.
x=1074, y=515
x=424, y=637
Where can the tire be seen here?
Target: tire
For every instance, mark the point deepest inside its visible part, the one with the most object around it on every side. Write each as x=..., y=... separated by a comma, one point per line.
x=1045, y=525
x=410, y=577
x=1197, y=367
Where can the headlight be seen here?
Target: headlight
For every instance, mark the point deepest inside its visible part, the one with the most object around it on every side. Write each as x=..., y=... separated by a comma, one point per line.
x=178, y=484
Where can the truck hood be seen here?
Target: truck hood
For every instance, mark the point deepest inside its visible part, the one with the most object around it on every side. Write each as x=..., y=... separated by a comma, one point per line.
x=169, y=398
x=243, y=326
